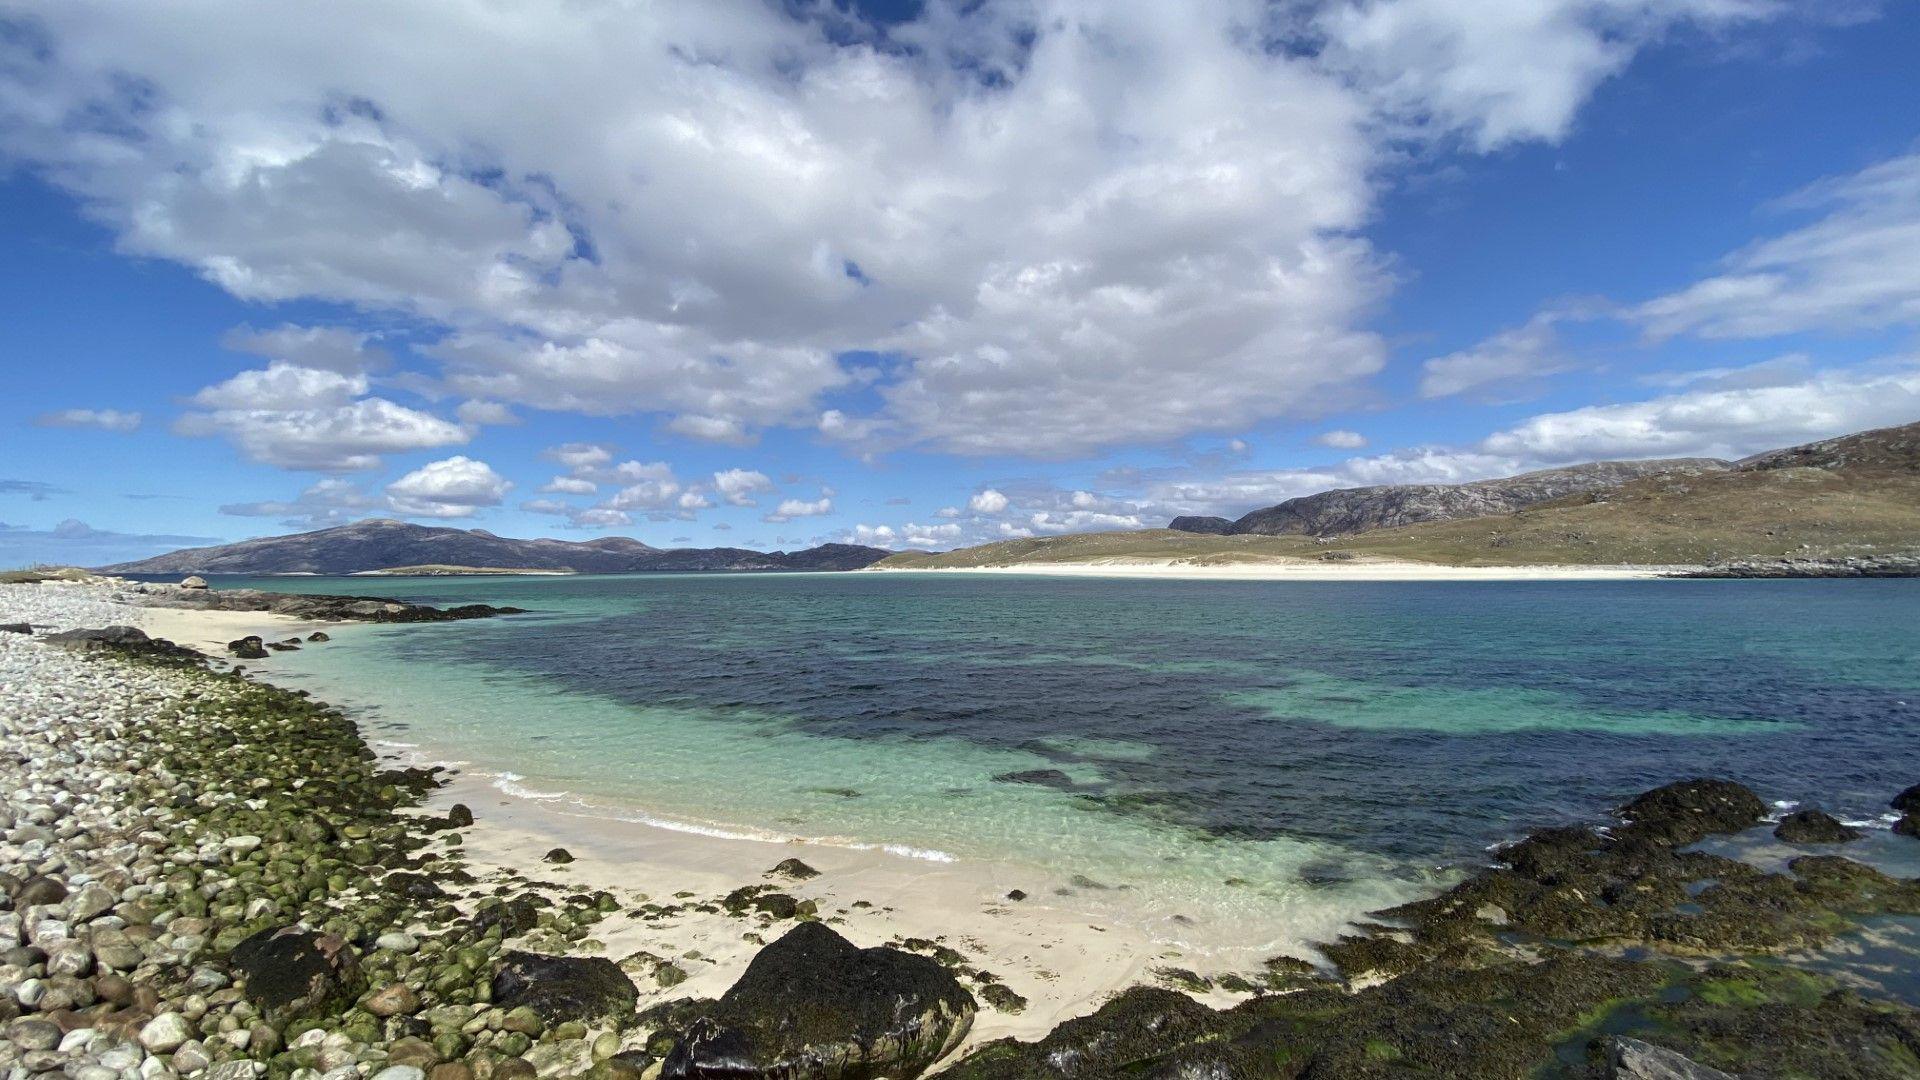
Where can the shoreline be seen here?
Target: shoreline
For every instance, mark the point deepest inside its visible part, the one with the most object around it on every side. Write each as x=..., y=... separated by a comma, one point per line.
x=216, y=832
x=1062, y=960
x=1302, y=570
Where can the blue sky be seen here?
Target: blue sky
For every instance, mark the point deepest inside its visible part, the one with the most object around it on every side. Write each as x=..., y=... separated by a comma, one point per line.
x=773, y=275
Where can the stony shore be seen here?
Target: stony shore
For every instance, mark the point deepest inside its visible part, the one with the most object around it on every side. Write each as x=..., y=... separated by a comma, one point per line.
x=205, y=874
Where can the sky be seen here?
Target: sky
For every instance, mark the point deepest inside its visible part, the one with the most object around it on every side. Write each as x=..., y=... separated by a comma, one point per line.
x=922, y=275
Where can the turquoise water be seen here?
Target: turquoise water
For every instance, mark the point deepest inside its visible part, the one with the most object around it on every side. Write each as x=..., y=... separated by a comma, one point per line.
x=1279, y=754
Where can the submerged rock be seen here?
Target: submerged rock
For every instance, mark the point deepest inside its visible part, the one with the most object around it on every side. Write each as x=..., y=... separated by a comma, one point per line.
x=813, y=1005
x=564, y=988
x=1052, y=778
x=1814, y=826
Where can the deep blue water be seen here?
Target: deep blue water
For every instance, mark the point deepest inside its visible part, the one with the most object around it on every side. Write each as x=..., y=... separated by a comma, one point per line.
x=1414, y=721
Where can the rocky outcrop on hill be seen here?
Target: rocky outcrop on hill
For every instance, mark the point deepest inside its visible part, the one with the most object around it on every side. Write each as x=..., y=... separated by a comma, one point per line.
x=381, y=544
x=1207, y=526
x=1364, y=509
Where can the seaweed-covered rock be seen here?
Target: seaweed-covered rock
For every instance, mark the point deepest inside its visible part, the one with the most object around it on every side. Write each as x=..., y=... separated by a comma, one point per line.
x=1631, y=1059
x=1814, y=826
x=251, y=647
x=793, y=869
x=292, y=973
x=1907, y=801
x=563, y=988
x=1691, y=810
x=813, y=1005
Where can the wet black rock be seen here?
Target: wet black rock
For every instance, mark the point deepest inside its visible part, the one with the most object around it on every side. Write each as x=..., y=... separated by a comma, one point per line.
x=1691, y=810
x=319, y=635
x=563, y=988
x=559, y=855
x=812, y=1005
x=460, y=816
x=414, y=886
x=292, y=973
x=15, y=628
x=1907, y=801
x=1814, y=826
x=794, y=869
x=251, y=647
x=1052, y=778
x=516, y=916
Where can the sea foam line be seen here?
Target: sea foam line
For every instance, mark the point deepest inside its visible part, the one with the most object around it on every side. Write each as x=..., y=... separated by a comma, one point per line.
x=509, y=783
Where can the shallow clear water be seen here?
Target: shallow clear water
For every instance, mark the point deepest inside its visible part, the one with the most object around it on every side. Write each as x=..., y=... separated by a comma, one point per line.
x=1290, y=750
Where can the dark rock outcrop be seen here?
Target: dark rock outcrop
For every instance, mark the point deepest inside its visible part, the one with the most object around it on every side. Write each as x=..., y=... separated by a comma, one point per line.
x=1691, y=810
x=251, y=647
x=15, y=628
x=382, y=544
x=563, y=988
x=812, y=1006
x=1814, y=826
x=1867, y=566
x=292, y=973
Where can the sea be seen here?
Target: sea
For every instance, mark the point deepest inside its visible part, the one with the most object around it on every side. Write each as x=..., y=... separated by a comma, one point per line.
x=1268, y=757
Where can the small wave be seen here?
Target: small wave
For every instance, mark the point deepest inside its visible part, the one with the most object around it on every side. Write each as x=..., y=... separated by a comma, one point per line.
x=509, y=783
x=905, y=852
x=396, y=744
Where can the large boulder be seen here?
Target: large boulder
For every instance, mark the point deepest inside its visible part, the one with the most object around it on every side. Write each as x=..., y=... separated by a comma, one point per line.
x=293, y=973
x=562, y=988
x=1907, y=801
x=1688, y=811
x=194, y=582
x=250, y=647
x=813, y=1006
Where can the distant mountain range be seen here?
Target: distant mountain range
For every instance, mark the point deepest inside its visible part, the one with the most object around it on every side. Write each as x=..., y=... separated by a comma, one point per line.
x=381, y=544
x=1842, y=500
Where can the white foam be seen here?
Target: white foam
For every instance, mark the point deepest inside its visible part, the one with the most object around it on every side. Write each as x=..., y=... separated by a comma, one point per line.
x=905, y=852
x=509, y=783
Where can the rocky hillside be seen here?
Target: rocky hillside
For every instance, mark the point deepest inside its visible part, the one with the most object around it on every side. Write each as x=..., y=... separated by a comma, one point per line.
x=1847, y=505
x=380, y=544
x=1357, y=510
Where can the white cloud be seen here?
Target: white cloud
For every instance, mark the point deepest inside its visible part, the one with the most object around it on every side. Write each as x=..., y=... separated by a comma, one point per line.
x=475, y=413
x=449, y=488
x=693, y=500
x=987, y=501
x=1719, y=422
x=332, y=348
x=338, y=439
x=600, y=517
x=738, y=486
x=1853, y=269
x=1508, y=359
x=1502, y=72
x=651, y=495
x=569, y=485
x=579, y=455
x=799, y=508
x=283, y=386
x=1083, y=226
x=1341, y=439
x=99, y=419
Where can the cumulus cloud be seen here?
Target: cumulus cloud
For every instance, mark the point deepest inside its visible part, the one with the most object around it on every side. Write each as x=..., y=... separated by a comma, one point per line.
x=475, y=413
x=738, y=486
x=799, y=508
x=1072, y=226
x=450, y=488
x=283, y=386
x=579, y=455
x=1851, y=269
x=98, y=419
x=332, y=439
x=987, y=501
x=1341, y=439
x=569, y=485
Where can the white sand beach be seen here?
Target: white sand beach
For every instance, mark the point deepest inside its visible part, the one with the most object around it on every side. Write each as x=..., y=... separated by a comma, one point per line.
x=1297, y=570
